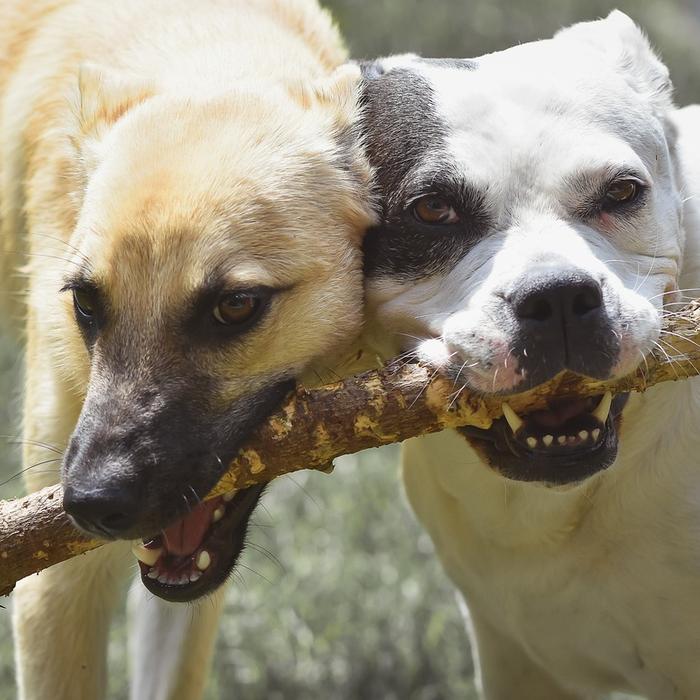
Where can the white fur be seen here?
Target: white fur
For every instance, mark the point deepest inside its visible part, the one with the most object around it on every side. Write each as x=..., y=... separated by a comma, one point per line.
x=579, y=591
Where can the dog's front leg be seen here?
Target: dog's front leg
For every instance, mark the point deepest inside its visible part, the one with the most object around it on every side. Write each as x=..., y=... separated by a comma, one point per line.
x=171, y=645
x=505, y=670
x=61, y=616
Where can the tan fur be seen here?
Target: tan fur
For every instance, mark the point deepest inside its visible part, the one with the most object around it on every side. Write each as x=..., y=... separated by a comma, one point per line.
x=161, y=140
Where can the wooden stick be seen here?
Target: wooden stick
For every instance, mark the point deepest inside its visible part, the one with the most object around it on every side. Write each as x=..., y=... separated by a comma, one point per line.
x=314, y=427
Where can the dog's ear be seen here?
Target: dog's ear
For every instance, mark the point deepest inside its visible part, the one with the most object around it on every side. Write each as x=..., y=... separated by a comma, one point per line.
x=105, y=94
x=619, y=38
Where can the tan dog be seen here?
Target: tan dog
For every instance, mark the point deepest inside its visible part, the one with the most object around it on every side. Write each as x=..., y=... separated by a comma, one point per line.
x=185, y=180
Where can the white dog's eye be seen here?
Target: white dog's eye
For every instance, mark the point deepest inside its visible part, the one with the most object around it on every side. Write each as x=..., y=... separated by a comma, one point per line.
x=621, y=191
x=236, y=308
x=432, y=209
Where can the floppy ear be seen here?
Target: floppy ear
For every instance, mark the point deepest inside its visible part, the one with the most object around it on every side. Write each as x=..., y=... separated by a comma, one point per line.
x=618, y=37
x=104, y=95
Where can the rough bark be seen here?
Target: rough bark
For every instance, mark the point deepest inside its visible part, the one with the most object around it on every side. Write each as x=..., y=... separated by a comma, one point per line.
x=314, y=427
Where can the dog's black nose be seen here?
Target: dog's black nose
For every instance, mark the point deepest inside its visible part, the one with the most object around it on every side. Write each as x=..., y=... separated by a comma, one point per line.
x=558, y=301
x=562, y=323
x=106, y=512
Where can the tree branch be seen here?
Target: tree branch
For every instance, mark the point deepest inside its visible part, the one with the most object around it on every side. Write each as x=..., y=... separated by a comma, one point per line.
x=314, y=427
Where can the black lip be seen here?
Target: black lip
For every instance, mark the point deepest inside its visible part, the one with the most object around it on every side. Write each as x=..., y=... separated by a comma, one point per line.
x=224, y=542
x=555, y=466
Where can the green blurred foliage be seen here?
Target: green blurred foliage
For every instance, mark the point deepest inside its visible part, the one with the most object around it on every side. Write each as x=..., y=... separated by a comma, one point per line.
x=339, y=594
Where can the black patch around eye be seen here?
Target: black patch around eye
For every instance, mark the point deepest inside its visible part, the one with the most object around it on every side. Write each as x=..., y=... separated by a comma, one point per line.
x=405, y=248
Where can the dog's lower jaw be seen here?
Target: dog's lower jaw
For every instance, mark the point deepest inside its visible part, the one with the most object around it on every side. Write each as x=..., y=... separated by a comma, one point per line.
x=183, y=578
x=558, y=459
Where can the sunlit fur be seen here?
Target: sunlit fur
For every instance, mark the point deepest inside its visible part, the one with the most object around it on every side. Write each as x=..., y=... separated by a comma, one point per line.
x=147, y=146
x=578, y=591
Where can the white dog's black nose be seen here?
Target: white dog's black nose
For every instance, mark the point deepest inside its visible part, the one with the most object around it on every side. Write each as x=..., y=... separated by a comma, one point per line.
x=106, y=512
x=562, y=323
x=557, y=301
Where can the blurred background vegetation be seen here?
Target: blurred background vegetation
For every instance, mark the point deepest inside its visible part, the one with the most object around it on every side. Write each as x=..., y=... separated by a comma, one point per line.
x=339, y=595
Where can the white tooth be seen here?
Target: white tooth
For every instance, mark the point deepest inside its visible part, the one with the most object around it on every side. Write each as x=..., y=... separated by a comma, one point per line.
x=512, y=417
x=195, y=576
x=218, y=514
x=583, y=434
x=596, y=434
x=603, y=409
x=163, y=579
x=152, y=574
x=228, y=496
x=203, y=560
x=532, y=442
x=561, y=439
x=184, y=578
x=148, y=556
x=548, y=440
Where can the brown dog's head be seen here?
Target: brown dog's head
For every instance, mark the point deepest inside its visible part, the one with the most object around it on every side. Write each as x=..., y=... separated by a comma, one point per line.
x=217, y=255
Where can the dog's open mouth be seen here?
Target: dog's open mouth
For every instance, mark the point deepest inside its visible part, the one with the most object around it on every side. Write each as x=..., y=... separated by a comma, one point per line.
x=195, y=555
x=571, y=440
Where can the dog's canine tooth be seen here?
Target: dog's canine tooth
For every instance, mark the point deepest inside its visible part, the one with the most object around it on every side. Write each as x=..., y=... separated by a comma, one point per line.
x=152, y=574
x=548, y=440
x=512, y=417
x=218, y=514
x=603, y=409
x=561, y=439
x=532, y=442
x=195, y=576
x=148, y=556
x=203, y=560
x=596, y=434
x=583, y=434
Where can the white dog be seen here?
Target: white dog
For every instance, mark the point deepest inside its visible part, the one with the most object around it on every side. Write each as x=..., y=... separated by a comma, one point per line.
x=539, y=216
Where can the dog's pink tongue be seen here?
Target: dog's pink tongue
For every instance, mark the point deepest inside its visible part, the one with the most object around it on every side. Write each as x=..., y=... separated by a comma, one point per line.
x=183, y=537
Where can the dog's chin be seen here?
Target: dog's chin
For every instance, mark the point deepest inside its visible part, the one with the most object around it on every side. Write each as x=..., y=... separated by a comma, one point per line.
x=195, y=555
x=561, y=446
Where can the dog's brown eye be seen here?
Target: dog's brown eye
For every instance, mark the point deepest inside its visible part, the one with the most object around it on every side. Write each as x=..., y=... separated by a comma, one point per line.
x=84, y=302
x=236, y=308
x=622, y=191
x=435, y=210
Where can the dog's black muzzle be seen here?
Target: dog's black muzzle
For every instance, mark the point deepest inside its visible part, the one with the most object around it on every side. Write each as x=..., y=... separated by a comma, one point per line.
x=136, y=463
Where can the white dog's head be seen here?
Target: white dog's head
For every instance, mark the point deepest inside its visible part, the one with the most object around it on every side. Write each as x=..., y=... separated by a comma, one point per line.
x=531, y=223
